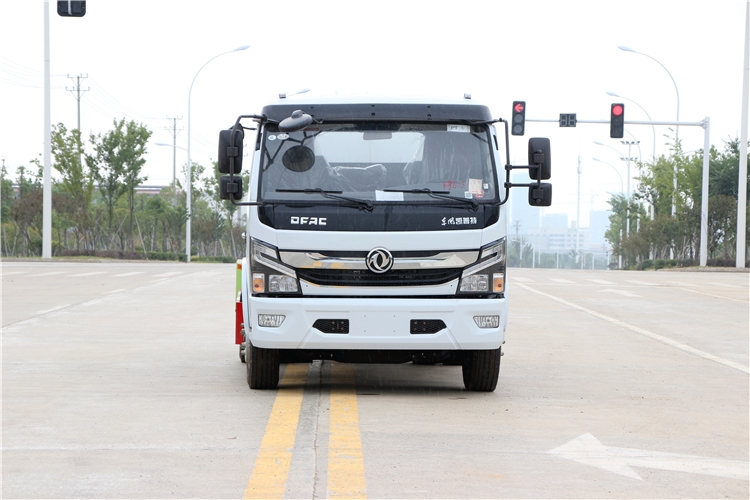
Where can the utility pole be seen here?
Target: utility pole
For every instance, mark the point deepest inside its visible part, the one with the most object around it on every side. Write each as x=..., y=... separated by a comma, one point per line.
x=517, y=225
x=174, y=131
x=627, y=207
x=77, y=93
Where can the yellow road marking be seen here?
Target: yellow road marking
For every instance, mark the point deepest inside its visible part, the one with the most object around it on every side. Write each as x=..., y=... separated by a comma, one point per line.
x=346, y=466
x=271, y=469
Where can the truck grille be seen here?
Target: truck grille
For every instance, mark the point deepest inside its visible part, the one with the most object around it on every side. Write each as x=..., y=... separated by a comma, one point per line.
x=332, y=325
x=359, y=277
x=426, y=326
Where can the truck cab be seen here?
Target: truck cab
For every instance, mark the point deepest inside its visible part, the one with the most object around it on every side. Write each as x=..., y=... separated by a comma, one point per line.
x=376, y=233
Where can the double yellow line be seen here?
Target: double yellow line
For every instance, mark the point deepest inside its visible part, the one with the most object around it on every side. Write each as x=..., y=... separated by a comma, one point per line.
x=346, y=468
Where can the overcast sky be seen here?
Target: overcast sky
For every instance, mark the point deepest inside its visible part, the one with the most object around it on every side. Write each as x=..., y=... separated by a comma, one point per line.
x=140, y=57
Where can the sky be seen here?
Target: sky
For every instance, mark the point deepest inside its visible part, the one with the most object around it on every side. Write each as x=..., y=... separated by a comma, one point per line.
x=141, y=56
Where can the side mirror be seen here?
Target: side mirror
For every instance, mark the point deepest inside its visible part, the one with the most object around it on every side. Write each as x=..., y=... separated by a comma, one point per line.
x=230, y=189
x=227, y=151
x=540, y=196
x=540, y=157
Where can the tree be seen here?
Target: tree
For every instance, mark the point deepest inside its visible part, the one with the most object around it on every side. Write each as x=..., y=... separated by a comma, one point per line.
x=108, y=162
x=24, y=214
x=77, y=180
x=119, y=156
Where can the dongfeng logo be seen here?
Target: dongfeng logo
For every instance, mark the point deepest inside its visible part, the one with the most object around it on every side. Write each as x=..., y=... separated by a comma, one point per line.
x=379, y=260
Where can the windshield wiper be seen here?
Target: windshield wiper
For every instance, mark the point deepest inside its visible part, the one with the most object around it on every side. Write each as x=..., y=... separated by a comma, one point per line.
x=333, y=195
x=444, y=195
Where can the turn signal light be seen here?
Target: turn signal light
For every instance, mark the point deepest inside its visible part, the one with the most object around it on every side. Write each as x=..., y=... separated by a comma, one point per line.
x=259, y=283
x=498, y=283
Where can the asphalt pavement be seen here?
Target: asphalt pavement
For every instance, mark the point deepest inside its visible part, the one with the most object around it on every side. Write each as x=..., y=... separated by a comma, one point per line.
x=122, y=380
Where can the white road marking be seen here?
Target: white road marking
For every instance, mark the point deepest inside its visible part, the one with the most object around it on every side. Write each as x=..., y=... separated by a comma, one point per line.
x=114, y=291
x=638, y=282
x=52, y=309
x=725, y=285
x=603, y=282
x=86, y=274
x=586, y=449
x=621, y=292
x=521, y=280
x=47, y=274
x=646, y=333
x=128, y=274
x=8, y=273
x=716, y=296
x=561, y=280
x=164, y=275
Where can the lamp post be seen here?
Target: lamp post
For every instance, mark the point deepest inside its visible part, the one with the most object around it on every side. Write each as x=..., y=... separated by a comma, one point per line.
x=174, y=147
x=189, y=174
x=677, y=127
x=622, y=185
x=622, y=189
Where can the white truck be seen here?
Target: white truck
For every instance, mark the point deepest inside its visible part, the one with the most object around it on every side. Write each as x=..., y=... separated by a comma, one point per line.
x=376, y=233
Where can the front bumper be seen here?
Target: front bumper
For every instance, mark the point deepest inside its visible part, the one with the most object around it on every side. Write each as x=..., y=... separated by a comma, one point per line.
x=377, y=323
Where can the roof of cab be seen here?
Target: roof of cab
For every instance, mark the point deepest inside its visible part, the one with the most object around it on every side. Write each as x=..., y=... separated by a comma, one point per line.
x=370, y=108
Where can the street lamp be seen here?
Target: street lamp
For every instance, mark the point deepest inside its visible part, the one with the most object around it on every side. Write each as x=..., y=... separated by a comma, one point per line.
x=627, y=49
x=619, y=260
x=174, y=160
x=189, y=166
x=677, y=127
x=627, y=208
x=622, y=185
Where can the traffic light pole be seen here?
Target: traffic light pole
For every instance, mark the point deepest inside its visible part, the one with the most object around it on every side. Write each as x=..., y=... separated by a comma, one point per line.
x=706, y=124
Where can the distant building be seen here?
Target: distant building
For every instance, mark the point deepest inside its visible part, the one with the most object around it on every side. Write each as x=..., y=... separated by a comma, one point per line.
x=523, y=217
x=598, y=225
x=150, y=190
x=550, y=239
x=559, y=221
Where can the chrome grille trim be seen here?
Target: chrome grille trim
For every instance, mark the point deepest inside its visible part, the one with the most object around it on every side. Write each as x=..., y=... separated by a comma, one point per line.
x=317, y=260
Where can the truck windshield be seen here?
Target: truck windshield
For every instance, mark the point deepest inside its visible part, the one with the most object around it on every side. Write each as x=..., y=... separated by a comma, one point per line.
x=379, y=161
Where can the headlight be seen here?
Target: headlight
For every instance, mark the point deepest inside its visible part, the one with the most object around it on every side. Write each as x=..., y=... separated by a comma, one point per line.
x=488, y=274
x=269, y=274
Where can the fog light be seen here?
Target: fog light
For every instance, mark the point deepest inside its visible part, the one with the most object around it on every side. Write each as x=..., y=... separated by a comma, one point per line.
x=271, y=320
x=281, y=283
x=487, y=321
x=475, y=283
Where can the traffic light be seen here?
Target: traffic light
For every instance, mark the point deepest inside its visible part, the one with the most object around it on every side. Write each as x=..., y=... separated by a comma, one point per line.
x=518, y=124
x=617, y=121
x=71, y=8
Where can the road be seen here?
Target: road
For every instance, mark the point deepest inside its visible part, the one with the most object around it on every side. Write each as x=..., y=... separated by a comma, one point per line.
x=122, y=380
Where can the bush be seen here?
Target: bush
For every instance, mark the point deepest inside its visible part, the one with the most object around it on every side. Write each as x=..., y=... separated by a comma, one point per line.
x=221, y=259
x=662, y=263
x=646, y=264
x=114, y=254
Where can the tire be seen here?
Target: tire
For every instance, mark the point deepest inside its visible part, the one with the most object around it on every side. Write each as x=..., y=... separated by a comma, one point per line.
x=481, y=370
x=242, y=352
x=262, y=367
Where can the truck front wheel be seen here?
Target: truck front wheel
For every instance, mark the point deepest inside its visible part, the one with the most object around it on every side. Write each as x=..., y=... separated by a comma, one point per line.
x=481, y=370
x=262, y=367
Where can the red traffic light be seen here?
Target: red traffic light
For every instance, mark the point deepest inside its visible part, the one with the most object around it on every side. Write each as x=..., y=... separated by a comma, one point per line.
x=617, y=110
x=518, y=107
